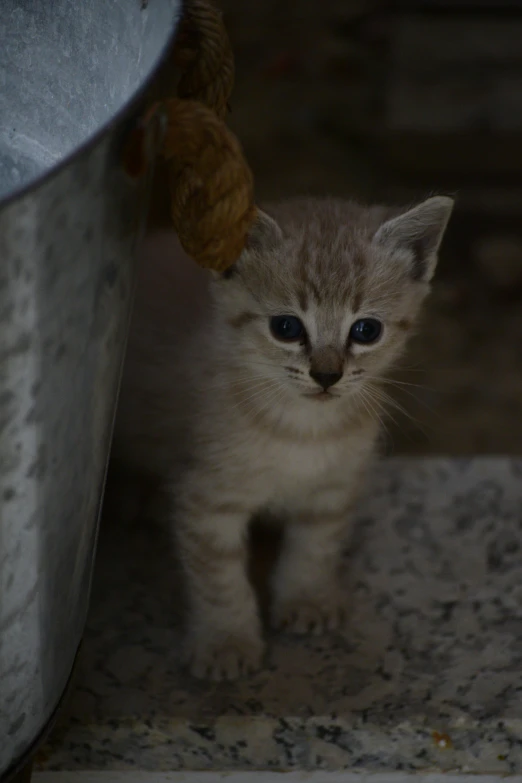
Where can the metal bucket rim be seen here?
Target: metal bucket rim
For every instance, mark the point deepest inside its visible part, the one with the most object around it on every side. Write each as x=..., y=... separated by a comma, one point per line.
x=91, y=141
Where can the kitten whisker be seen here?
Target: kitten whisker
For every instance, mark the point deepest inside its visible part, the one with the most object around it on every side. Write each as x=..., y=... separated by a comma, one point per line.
x=391, y=382
x=234, y=381
x=257, y=363
x=386, y=400
x=359, y=412
x=378, y=402
x=258, y=393
x=419, y=400
x=376, y=413
x=275, y=396
x=395, y=382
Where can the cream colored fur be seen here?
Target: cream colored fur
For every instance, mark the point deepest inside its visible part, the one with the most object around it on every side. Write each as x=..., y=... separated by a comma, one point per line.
x=230, y=422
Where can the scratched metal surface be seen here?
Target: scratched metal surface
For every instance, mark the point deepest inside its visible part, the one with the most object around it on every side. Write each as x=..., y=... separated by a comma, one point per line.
x=66, y=270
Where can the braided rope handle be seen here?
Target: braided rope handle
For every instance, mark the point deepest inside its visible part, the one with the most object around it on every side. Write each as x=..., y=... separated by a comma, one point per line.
x=204, y=53
x=211, y=185
x=212, y=196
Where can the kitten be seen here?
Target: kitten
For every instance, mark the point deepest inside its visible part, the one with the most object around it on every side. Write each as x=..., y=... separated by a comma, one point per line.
x=252, y=391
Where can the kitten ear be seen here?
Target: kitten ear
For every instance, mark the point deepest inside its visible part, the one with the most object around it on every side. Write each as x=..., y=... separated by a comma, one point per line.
x=264, y=235
x=419, y=232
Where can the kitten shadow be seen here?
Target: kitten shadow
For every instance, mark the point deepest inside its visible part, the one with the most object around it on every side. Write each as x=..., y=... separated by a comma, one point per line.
x=136, y=558
x=135, y=548
x=265, y=541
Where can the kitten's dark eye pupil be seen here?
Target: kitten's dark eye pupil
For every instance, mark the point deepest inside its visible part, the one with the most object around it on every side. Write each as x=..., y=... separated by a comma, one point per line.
x=366, y=330
x=286, y=327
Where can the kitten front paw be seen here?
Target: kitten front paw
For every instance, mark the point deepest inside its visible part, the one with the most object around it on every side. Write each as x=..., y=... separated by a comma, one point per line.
x=223, y=658
x=307, y=615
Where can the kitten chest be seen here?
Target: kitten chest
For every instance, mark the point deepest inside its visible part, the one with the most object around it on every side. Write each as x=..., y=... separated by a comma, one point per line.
x=295, y=471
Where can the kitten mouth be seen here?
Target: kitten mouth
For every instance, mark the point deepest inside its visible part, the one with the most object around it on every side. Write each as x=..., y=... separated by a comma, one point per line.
x=322, y=396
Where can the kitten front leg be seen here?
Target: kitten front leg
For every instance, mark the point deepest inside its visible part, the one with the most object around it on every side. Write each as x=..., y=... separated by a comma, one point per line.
x=306, y=586
x=223, y=638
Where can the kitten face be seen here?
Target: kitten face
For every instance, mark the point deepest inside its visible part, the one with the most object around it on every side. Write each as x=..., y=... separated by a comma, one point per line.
x=326, y=294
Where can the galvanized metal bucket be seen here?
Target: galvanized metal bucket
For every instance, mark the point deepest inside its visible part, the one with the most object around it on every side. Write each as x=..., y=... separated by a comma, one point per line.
x=70, y=76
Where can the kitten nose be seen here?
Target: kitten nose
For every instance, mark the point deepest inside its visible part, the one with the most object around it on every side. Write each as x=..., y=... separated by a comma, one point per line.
x=326, y=379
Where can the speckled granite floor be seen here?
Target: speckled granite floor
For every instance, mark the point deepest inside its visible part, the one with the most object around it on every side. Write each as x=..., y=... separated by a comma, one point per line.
x=426, y=676
x=256, y=777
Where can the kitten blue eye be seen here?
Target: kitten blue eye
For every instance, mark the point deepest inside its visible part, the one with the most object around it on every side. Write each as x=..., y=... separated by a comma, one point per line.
x=366, y=330
x=287, y=328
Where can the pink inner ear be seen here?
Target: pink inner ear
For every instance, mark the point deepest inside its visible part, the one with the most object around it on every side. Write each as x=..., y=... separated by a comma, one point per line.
x=419, y=231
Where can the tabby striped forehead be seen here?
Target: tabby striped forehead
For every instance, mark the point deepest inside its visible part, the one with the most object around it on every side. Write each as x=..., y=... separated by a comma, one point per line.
x=319, y=273
x=328, y=273
x=342, y=272
x=325, y=262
